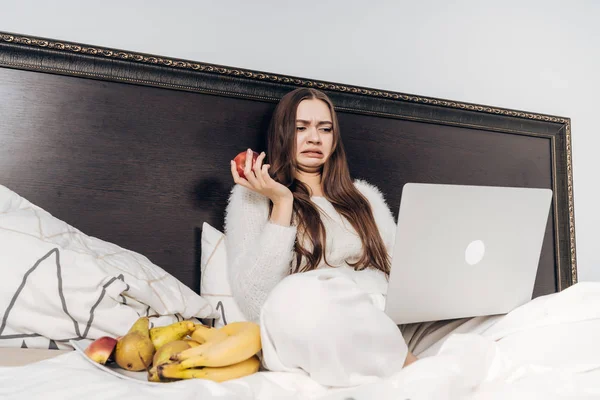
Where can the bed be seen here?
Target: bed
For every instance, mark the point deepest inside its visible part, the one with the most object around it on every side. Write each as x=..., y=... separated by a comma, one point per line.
x=133, y=149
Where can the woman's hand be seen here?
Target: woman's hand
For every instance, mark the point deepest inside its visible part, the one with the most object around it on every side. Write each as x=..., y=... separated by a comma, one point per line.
x=259, y=180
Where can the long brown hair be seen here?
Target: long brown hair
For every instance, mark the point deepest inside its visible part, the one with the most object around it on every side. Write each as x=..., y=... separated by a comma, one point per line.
x=337, y=185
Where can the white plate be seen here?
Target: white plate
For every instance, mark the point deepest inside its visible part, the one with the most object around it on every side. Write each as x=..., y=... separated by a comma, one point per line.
x=112, y=368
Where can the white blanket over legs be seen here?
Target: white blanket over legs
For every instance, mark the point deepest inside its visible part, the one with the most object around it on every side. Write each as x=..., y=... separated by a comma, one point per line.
x=322, y=324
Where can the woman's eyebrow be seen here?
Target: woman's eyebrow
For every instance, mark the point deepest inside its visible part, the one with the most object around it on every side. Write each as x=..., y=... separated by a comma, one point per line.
x=319, y=123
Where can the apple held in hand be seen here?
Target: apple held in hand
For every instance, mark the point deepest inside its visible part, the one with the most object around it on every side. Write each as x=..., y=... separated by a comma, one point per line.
x=240, y=162
x=101, y=349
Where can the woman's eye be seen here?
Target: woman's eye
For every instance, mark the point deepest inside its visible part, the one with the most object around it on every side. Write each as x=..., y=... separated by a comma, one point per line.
x=300, y=128
x=327, y=129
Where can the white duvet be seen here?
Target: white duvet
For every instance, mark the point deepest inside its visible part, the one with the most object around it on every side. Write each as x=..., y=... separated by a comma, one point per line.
x=546, y=349
x=59, y=284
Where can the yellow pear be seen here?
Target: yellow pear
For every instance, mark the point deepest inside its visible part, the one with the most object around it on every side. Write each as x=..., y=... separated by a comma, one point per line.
x=135, y=350
x=164, y=334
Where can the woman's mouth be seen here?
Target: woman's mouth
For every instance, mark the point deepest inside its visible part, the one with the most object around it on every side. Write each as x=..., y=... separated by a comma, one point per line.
x=313, y=154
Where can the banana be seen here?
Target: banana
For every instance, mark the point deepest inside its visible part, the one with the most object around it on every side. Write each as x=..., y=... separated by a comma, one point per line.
x=153, y=375
x=242, y=342
x=176, y=331
x=163, y=354
x=191, y=342
x=217, y=374
x=200, y=349
x=203, y=333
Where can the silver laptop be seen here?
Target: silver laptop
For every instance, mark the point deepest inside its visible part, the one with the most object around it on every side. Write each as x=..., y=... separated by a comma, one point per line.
x=464, y=251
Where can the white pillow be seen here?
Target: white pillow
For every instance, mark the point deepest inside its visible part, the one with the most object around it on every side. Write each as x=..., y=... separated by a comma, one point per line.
x=214, y=282
x=58, y=283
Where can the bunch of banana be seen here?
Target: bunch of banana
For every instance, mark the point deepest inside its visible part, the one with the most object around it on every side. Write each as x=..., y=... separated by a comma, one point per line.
x=225, y=353
x=183, y=350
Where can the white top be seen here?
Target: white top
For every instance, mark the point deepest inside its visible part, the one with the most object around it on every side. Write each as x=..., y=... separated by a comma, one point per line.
x=260, y=253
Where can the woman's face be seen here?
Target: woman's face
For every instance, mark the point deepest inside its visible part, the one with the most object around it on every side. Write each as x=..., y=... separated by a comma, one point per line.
x=314, y=134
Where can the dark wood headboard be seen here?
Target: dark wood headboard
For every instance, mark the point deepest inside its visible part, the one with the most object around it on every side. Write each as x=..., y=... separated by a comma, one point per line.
x=135, y=149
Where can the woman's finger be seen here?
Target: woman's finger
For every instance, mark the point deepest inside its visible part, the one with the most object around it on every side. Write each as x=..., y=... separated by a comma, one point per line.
x=234, y=172
x=237, y=178
x=264, y=173
x=248, y=164
x=258, y=162
x=258, y=168
x=251, y=176
x=269, y=181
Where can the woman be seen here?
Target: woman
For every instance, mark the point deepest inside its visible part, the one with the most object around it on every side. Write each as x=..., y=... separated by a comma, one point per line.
x=309, y=251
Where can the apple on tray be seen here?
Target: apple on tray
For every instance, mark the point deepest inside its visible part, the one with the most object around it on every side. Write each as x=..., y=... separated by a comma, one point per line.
x=101, y=349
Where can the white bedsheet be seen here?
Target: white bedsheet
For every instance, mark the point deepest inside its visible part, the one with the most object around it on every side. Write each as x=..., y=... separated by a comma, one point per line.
x=547, y=349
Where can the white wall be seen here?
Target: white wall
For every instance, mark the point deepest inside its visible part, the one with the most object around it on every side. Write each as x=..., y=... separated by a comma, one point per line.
x=536, y=55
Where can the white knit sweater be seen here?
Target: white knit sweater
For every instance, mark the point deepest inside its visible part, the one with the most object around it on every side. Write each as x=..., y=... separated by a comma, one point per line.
x=260, y=253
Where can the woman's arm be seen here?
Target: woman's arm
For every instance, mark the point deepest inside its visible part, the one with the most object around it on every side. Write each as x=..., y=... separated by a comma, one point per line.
x=281, y=214
x=259, y=247
x=381, y=212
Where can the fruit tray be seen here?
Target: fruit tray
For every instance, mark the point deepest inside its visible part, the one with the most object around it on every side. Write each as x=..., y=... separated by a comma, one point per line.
x=111, y=368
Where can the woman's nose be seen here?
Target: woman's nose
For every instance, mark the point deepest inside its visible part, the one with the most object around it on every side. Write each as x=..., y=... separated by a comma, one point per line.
x=313, y=136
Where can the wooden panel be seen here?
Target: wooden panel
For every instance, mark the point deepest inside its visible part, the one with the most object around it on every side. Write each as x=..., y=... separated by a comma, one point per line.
x=137, y=153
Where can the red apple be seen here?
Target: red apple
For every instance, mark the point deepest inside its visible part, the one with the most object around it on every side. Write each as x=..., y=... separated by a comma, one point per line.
x=240, y=162
x=101, y=349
